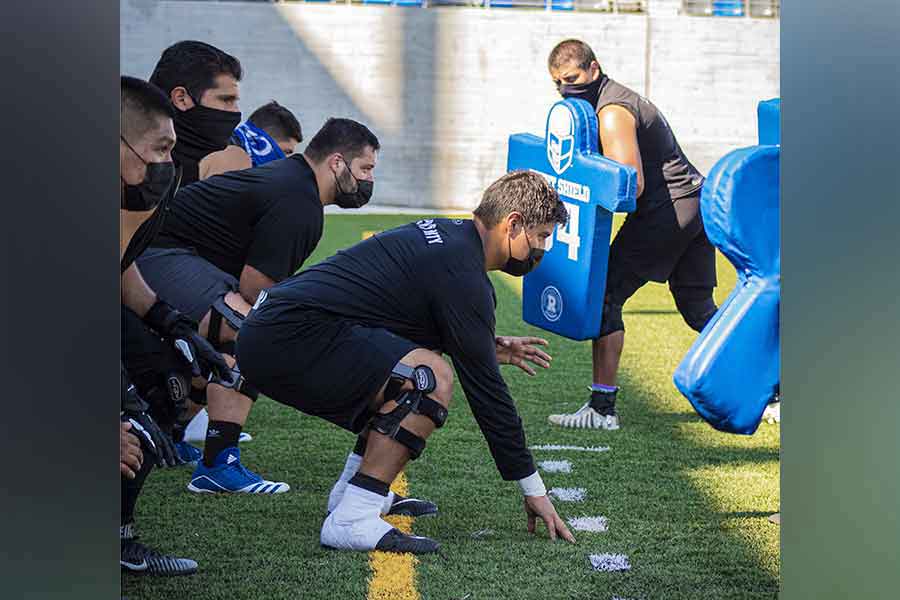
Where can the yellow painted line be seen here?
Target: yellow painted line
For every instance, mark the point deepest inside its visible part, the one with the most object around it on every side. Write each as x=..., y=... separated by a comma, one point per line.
x=394, y=575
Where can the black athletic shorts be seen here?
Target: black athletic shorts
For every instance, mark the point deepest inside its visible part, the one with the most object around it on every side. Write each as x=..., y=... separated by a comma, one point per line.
x=655, y=247
x=184, y=279
x=318, y=363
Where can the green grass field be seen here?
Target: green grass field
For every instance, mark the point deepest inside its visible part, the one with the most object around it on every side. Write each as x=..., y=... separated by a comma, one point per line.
x=687, y=504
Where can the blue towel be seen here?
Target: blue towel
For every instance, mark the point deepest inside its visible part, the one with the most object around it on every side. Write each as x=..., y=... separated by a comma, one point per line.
x=258, y=144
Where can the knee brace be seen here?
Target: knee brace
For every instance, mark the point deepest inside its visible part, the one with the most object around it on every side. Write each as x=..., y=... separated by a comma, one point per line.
x=612, y=318
x=696, y=306
x=217, y=312
x=422, y=378
x=417, y=402
x=237, y=382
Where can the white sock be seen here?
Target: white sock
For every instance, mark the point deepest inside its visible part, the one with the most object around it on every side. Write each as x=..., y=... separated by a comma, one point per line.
x=195, y=431
x=355, y=523
x=350, y=469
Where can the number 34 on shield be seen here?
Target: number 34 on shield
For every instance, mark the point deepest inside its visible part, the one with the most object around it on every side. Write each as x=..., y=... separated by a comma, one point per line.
x=569, y=234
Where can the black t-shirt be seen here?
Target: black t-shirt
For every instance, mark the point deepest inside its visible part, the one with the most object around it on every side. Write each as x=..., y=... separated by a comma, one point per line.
x=668, y=174
x=269, y=217
x=426, y=282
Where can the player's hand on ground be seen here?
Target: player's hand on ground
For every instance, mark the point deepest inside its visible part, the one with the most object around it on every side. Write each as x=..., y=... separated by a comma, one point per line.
x=540, y=507
x=519, y=351
x=130, y=455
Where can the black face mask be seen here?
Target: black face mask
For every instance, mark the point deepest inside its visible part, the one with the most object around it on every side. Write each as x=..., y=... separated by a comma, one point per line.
x=585, y=91
x=156, y=184
x=202, y=130
x=359, y=197
x=519, y=268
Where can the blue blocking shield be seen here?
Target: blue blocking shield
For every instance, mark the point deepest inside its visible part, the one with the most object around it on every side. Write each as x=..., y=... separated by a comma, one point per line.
x=769, y=115
x=564, y=294
x=732, y=370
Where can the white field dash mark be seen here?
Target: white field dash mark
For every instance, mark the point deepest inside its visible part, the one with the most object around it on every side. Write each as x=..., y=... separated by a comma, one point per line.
x=589, y=523
x=556, y=466
x=576, y=448
x=568, y=494
x=609, y=562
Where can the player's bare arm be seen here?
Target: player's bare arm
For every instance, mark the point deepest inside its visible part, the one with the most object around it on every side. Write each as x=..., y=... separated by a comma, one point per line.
x=136, y=294
x=618, y=137
x=231, y=158
x=252, y=282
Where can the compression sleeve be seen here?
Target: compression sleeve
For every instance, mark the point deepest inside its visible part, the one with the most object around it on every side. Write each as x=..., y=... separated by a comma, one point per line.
x=464, y=314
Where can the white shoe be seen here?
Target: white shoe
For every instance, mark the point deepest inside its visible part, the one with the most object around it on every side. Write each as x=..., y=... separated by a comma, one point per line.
x=358, y=534
x=772, y=414
x=372, y=533
x=586, y=418
x=195, y=431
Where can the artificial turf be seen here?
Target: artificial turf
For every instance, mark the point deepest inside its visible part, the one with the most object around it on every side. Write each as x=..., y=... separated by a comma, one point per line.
x=687, y=504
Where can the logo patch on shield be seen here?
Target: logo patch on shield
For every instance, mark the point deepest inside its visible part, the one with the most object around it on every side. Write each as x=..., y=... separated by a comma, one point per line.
x=551, y=303
x=560, y=138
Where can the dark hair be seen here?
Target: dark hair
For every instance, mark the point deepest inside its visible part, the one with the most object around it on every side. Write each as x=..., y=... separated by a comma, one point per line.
x=571, y=50
x=344, y=136
x=193, y=66
x=525, y=192
x=140, y=105
x=277, y=121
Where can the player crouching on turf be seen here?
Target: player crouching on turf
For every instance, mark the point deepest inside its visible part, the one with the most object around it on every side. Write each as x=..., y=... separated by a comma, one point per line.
x=356, y=340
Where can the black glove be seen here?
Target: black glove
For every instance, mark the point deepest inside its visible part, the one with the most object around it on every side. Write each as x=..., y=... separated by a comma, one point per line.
x=142, y=425
x=181, y=330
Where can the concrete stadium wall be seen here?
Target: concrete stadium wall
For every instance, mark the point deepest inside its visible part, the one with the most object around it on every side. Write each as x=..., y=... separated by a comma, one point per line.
x=443, y=88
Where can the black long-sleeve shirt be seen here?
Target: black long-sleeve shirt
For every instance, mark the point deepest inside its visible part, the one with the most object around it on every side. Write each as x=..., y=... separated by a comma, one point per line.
x=426, y=282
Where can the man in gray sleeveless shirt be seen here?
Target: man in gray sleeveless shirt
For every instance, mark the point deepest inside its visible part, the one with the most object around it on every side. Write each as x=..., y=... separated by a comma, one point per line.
x=663, y=240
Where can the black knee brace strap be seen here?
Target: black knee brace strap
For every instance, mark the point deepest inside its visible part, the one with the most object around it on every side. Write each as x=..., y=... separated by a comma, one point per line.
x=416, y=402
x=218, y=311
x=237, y=383
x=422, y=377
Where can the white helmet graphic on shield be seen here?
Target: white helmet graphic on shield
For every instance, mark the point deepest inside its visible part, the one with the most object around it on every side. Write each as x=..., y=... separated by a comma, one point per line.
x=560, y=138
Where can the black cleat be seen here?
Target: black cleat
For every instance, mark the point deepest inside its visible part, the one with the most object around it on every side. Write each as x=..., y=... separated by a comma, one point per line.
x=397, y=541
x=138, y=558
x=412, y=507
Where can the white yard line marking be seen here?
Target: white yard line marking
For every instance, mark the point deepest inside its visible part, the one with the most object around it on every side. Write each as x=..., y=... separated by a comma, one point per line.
x=609, y=562
x=568, y=494
x=589, y=523
x=576, y=448
x=556, y=466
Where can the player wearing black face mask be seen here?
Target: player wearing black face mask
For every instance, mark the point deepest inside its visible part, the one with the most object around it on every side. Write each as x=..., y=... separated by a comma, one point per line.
x=663, y=240
x=146, y=172
x=203, y=83
x=395, y=299
x=231, y=236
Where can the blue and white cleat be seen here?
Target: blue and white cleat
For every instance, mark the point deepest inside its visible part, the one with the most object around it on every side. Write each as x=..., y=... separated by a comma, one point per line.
x=190, y=454
x=228, y=475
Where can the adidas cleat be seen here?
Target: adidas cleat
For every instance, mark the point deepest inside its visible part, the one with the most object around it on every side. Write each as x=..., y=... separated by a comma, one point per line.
x=587, y=417
x=138, y=558
x=228, y=475
x=412, y=507
x=191, y=455
x=397, y=541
